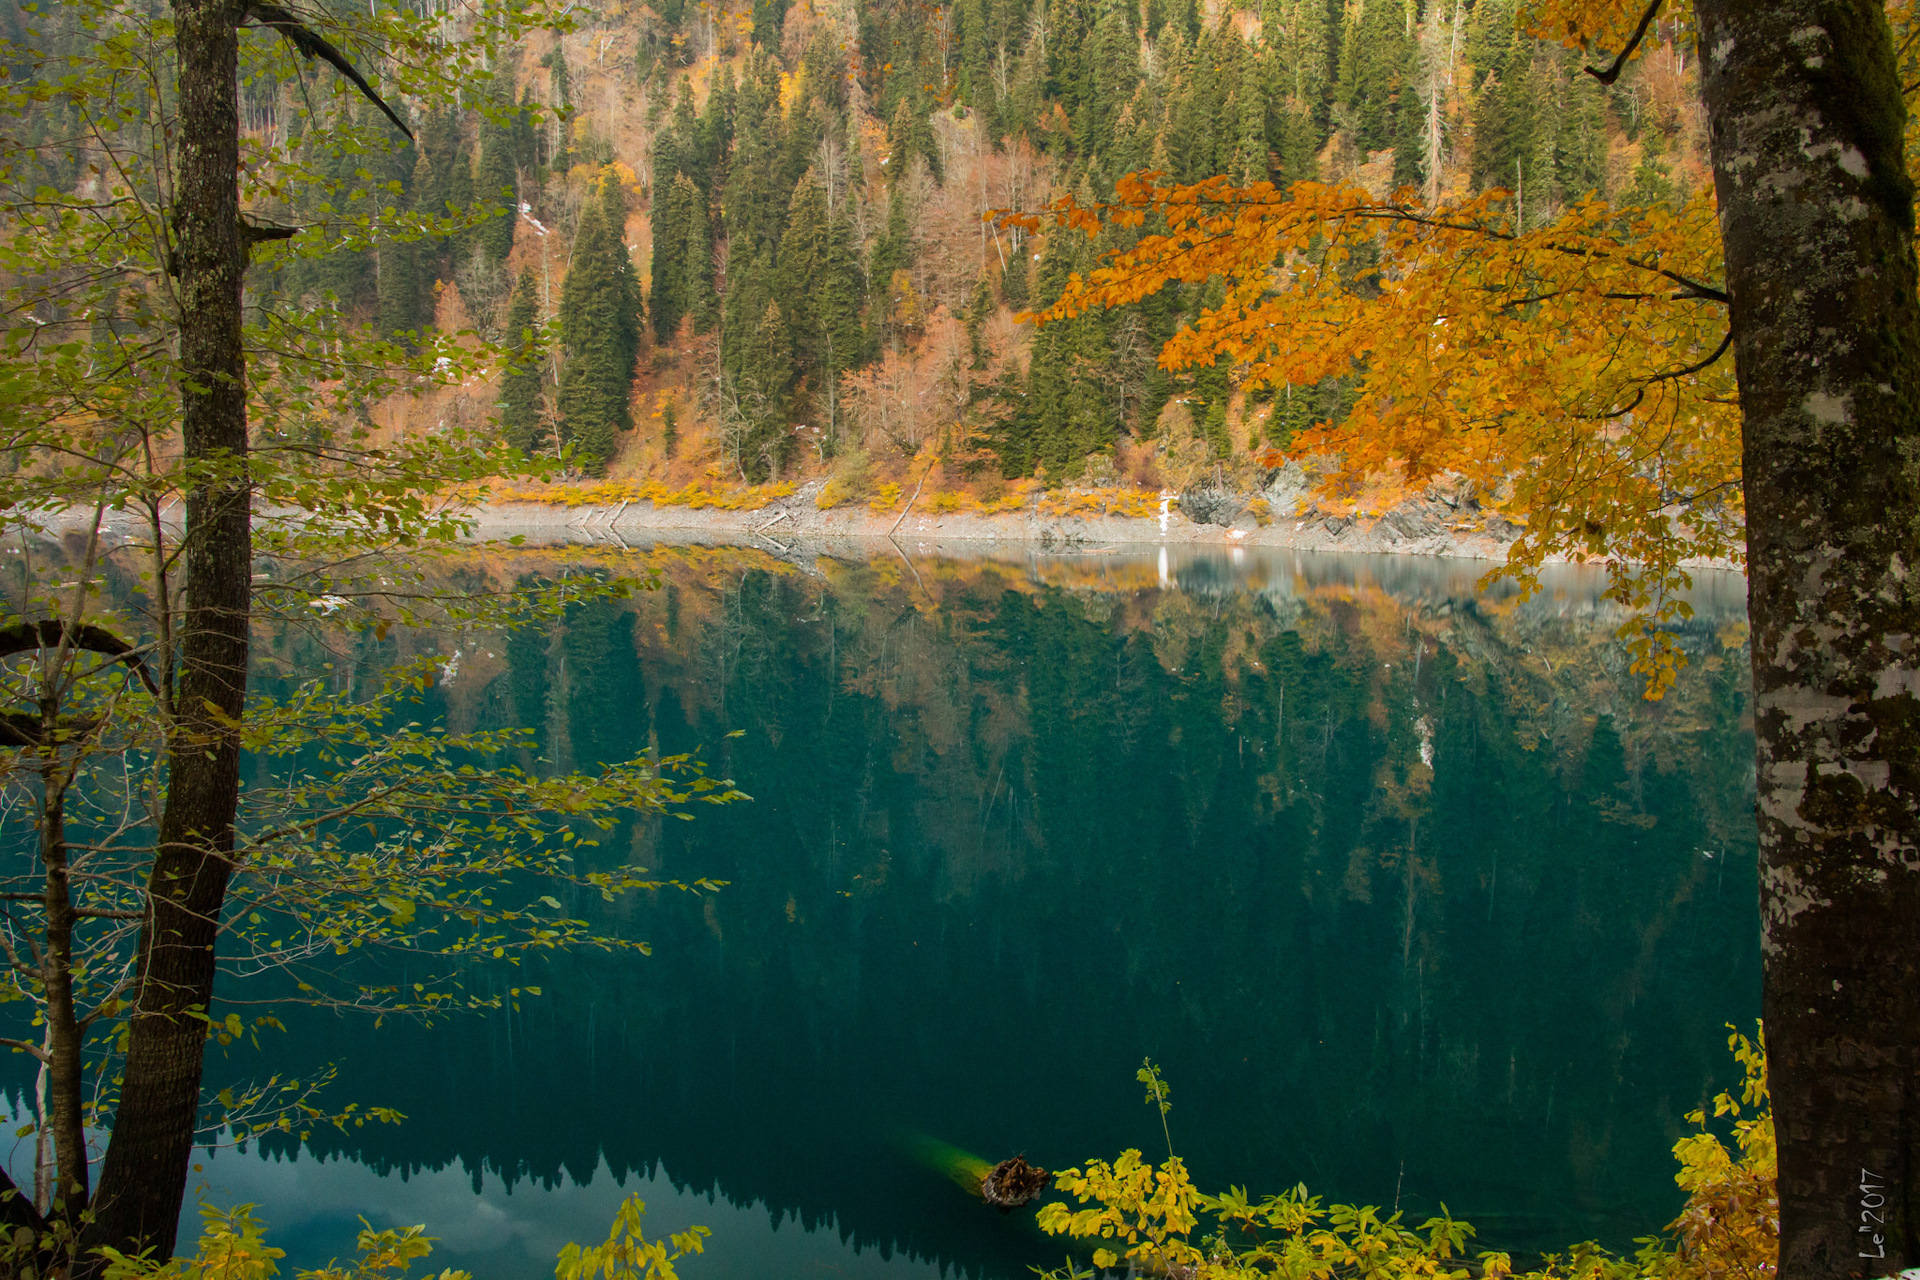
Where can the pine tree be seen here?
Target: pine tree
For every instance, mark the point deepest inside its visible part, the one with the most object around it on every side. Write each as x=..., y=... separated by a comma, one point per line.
x=816, y=285
x=1013, y=281
x=669, y=429
x=696, y=265
x=894, y=249
x=529, y=151
x=1373, y=61
x=755, y=197
x=979, y=311
x=1409, y=119
x=1250, y=162
x=560, y=100
x=713, y=133
x=398, y=314
x=495, y=181
x=1582, y=144
x=1299, y=46
x=402, y=304
x=1110, y=71
x=911, y=135
x=520, y=405
x=673, y=201
x=600, y=328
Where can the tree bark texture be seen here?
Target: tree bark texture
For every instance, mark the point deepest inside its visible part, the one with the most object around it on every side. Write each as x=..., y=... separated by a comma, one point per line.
x=64, y=1066
x=137, y=1204
x=1806, y=119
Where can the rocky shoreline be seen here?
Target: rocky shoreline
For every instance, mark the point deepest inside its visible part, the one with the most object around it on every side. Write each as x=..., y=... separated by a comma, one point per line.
x=1284, y=515
x=1441, y=523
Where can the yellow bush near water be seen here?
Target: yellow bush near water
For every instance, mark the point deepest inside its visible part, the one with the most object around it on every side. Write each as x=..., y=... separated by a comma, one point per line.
x=1146, y=1217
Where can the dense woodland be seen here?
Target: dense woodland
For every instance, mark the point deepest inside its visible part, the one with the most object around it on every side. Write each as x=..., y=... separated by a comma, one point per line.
x=748, y=244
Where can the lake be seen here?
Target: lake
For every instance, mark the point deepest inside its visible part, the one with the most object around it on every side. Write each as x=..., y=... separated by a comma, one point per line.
x=1410, y=894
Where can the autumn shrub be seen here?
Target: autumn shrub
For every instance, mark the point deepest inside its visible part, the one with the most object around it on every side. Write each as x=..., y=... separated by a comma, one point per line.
x=233, y=1246
x=947, y=501
x=851, y=481
x=1150, y=1218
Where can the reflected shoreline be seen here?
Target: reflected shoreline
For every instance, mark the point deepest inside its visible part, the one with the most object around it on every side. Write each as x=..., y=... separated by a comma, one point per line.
x=1185, y=566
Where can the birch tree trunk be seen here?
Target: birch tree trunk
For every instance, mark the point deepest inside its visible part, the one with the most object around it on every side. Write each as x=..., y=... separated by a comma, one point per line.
x=1806, y=117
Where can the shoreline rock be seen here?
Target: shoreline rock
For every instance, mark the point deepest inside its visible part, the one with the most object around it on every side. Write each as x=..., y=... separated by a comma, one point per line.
x=1427, y=526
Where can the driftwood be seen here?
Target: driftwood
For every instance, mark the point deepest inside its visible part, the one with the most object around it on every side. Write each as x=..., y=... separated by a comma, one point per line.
x=1012, y=1183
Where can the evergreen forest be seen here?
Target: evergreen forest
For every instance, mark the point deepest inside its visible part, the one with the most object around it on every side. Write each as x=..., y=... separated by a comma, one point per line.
x=747, y=243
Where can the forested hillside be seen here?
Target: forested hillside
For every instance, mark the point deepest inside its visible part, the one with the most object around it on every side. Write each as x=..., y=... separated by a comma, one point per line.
x=748, y=242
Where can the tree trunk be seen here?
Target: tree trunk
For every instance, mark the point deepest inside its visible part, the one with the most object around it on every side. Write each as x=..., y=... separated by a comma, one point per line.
x=137, y=1205
x=1806, y=118
x=63, y=1039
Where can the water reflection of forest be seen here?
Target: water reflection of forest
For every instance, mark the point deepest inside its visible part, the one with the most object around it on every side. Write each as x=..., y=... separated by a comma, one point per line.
x=1410, y=893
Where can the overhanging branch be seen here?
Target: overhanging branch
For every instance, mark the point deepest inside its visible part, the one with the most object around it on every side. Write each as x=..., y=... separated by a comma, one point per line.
x=1612, y=73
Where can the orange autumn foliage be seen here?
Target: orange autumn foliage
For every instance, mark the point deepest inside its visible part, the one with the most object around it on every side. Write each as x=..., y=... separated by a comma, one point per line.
x=1581, y=365
x=1578, y=369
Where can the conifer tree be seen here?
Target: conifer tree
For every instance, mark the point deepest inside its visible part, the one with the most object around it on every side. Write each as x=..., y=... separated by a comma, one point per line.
x=673, y=198
x=712, y=134
x=529, y=151
x=520, y=400
x=400, y=293
x=894, y=250
x=696, y=263
x=979, y=311
x=1111, y=70
x=402, y=303
x=1409, y=119
x=1299, y=45
x=495, y=181
x=1373, y=60
x=911, y=135
x=755, y=197
x=977, y=85
x=600, y=328
x=1250, y=163
x=815, y=283
x=560, y=100
x=1013, y=281
x=767, y=381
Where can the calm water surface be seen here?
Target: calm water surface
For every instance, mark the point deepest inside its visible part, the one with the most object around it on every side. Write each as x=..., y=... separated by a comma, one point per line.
x=1411, y=895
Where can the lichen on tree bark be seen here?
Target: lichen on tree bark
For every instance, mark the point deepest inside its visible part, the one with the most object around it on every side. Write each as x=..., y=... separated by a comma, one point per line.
x=1816, y=211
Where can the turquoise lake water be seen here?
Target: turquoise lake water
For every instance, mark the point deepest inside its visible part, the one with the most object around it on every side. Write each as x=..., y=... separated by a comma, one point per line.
x=1409, y=893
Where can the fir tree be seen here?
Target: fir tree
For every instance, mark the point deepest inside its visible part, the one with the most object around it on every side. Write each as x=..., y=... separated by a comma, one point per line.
x=713, y=132
x=495, y=181
x=673, y=199
x=600, y=328
x=816, y=284
x=520, y=385
x=755, y=197
x=696, y=265
x=400, y=291
x=560, y=100
x=529, y=149
x=911, y=135
x=1373, y=62
x=979, y=311
x=669, y=429
x=1111, y=70
x=1013, y=281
